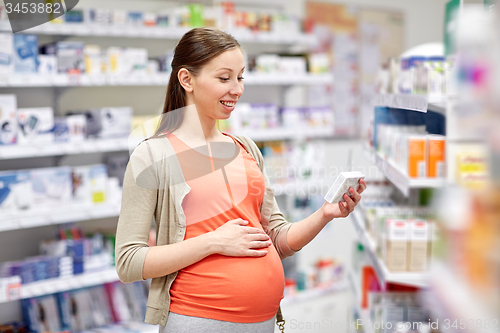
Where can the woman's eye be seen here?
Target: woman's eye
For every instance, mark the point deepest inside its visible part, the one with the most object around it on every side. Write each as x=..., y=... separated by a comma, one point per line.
x=224, y=78
x=241, y=78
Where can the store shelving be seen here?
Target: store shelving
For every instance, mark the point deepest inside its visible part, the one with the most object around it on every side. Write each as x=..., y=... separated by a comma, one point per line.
x=399, y=178
x=174, y=33
x=51, y=286
x=37, y=149
x=159, y=79
x=383, y=274
x=66, y=214
x=410, y=103
x=364, y=314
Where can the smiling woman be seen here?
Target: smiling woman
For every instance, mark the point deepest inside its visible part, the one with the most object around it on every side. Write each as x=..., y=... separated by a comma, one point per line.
x=220, y=233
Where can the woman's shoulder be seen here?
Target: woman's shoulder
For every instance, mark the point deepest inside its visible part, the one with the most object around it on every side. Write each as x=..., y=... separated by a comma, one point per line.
x=251, y=147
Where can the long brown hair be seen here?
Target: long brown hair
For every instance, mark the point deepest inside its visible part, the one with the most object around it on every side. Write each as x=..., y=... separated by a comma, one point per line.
x=195, y=49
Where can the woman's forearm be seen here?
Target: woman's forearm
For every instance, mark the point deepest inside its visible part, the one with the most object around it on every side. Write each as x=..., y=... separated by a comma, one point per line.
x=165, y=259
x=302, y=232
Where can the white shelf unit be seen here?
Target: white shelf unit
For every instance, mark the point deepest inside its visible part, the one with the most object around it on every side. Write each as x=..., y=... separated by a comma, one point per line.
x=418, y=103
x=51, y=286
x=63, y=148
x=88, y=146
x=384, y=275
x=69, y=213
x=174, y=33
x=160, y=79
x=399, y=178
x=364, y=314
x=451, y=298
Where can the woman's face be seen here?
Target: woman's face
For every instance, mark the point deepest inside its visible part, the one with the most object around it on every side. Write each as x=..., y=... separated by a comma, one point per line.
x=219, y=85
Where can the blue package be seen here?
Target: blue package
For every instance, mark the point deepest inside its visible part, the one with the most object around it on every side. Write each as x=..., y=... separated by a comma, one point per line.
x=25, y=53
x=61, y=129
x=15, y=190
x=64, y=306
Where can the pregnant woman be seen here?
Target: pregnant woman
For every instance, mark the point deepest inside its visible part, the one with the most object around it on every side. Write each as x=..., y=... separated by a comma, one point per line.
x=220, y=234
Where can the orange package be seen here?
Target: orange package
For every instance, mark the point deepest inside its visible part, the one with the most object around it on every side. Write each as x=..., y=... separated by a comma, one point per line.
x=417, y=157
x=436, y=156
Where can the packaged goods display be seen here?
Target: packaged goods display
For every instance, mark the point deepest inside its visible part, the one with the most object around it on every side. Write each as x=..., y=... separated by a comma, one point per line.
x=35, y=125
x=8, y=119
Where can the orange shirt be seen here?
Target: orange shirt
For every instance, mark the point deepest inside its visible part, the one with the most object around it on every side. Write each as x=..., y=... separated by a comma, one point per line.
x=237, y=289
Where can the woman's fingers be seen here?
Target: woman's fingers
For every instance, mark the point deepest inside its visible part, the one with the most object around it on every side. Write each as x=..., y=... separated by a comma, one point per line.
x=349, y=202
x=362, y=186
x=259, y=244
x=354, y=195
x=253, y=230
x=255, y=253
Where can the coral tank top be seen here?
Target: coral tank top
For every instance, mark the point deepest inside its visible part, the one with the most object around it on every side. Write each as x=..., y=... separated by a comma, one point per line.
x=237, y=289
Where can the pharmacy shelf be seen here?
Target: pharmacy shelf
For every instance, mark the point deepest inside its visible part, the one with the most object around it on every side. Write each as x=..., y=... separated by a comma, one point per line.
x=364, y=314
x=450, y=297
x=399, y=178
x=384, y=276
x=302, y=296
x=51, y=286
x=130, y=31
x=88, y=146
x=63, y=148
x=272, y=134
x=68, y=213
x=410, y=102
x=17, y=80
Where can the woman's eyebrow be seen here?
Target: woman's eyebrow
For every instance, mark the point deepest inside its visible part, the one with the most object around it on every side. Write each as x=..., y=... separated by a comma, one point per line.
x=229, y=69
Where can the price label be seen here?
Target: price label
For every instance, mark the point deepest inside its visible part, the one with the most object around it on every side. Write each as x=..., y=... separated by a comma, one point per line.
x=13, y=291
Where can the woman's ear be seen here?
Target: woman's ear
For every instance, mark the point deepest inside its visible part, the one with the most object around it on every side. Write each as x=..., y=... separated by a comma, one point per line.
x=185, y=79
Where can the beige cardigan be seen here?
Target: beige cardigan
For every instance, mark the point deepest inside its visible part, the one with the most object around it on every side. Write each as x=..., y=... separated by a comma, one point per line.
x=154, y=186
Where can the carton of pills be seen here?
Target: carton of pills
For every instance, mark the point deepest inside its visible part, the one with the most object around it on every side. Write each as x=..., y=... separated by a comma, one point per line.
x=342, y=184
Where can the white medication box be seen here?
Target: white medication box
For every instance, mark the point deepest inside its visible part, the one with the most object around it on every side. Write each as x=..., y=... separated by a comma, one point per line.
x=342, y=184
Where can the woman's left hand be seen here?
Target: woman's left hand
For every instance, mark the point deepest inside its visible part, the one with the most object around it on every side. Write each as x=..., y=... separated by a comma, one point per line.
x=343, y=209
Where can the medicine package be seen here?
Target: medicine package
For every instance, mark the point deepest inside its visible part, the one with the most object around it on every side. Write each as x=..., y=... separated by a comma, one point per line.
x=342, y=184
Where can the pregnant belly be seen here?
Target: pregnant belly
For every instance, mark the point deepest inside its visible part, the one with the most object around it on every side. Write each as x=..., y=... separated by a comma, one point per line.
x=238, y=289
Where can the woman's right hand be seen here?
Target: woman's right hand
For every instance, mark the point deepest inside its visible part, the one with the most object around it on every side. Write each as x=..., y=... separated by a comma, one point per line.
x=235, y=239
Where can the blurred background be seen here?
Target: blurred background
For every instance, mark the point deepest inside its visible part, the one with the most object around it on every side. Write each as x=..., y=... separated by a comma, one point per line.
x=406, y=92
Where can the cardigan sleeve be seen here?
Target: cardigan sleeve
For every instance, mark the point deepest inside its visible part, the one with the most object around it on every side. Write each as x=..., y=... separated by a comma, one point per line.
x=278, y=226
x=140, y=191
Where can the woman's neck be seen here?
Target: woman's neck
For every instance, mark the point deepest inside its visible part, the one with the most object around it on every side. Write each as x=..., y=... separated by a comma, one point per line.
x=198, y=128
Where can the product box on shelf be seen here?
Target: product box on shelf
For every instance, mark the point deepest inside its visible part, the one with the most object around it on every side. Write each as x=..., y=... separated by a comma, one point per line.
x=41, y=314
x=93, y=122
x=52, y=187
x=6, y=53
x=436, y=157
x=74, y=16
x=47, y=64
x=70, y=58
x=89, y=184
x=417, y=156
x=70, y=128
x=395, y=248
x=8, y=119
x=92, y=58
x=15, y=191
x=25, y=53
x=35, y=125
x=418, y=236
x=116, y=122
